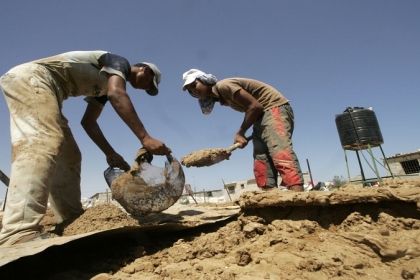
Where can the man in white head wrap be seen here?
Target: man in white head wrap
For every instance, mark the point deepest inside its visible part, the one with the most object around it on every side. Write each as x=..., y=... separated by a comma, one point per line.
x=271, y=116
x=206, y=103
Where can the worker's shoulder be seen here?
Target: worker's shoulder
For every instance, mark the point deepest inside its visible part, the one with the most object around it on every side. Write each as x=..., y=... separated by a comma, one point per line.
x=242, y=82
x=239, y=80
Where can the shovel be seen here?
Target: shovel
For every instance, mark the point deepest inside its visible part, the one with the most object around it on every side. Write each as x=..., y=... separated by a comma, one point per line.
x=208, y=157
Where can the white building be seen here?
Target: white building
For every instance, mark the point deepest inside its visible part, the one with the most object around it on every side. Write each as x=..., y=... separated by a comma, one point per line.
x=406, y=165
x=231, y=191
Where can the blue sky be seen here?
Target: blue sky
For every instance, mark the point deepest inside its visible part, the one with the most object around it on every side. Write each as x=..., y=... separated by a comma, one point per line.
x=323, y=55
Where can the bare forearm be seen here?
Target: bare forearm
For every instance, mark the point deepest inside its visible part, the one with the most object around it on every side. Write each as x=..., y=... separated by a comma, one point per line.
x=249, y=119
x=120, y=101
x=125, y=109
x=95, y=133
x=253, y=110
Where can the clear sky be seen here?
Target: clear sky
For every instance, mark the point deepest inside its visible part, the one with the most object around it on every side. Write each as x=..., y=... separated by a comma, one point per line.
x=323, y=55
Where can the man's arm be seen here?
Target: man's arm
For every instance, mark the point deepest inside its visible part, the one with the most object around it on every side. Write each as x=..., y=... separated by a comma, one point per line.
x=90, y=125
x=121, y=102
x=253, y=110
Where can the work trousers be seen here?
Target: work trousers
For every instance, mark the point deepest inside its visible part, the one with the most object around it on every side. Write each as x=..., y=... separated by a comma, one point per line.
x=46, y=161
x=273, y=149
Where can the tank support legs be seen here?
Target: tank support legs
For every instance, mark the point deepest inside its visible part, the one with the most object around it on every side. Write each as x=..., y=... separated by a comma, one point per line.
x=375, y=168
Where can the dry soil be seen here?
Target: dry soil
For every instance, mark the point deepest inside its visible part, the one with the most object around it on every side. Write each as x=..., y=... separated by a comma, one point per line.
x=351, y=233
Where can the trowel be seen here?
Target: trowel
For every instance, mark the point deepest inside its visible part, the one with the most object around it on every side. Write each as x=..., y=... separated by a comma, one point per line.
x=208, y=157
x=146, y=189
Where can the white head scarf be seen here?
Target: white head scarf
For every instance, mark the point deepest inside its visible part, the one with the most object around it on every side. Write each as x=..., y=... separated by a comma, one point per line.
x=206, y=103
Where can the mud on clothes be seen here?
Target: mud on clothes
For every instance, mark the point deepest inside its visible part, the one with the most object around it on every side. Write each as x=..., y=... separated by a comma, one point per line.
x=272, y=132
x=46, y=160
x=273, y=149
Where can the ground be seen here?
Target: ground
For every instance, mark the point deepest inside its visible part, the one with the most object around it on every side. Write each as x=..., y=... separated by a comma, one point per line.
x=351, y=233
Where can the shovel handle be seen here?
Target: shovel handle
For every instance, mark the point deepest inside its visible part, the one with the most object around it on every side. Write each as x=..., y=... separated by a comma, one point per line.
x=237, y=145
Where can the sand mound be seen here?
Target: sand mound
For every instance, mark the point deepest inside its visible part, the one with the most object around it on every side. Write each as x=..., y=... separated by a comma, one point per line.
x=350, y=233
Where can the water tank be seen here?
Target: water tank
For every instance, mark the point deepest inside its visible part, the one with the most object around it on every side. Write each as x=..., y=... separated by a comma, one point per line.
x=358, y=127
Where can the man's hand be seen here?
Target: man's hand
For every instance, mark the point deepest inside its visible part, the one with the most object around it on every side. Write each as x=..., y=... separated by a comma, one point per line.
x=241, y=140
x=115, y=160
x=155, y=146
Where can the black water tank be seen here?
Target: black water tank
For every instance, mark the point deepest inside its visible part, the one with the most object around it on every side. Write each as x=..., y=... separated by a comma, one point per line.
x=358, y=127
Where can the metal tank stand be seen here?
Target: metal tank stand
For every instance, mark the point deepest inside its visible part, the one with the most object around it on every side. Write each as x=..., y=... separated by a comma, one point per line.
x=375, y=168
x=5, y=181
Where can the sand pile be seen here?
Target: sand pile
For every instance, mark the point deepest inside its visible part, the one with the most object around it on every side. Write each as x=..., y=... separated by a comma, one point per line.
x=350, y=233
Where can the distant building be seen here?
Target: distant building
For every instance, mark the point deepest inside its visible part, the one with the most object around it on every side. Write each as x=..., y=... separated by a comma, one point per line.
x=204, y=196
x=234, y=190
x=99, y=198
x=404, y=164
x=231, y=191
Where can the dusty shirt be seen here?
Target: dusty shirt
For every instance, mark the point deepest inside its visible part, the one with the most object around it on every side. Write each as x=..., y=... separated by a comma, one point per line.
x=85, y=72
x=268, y=96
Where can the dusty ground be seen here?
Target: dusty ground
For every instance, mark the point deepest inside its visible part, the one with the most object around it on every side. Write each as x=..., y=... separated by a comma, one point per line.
x=350, y=233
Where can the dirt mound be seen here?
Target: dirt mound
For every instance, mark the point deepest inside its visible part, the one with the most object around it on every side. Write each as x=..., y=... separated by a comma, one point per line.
x=350, y=233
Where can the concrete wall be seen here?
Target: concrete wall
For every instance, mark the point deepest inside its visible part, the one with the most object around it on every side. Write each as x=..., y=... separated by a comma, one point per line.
x=234, y=190
x=213, y=196
x=396, y=167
